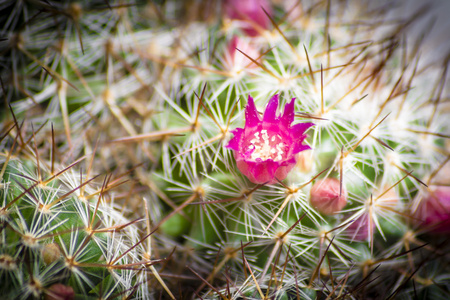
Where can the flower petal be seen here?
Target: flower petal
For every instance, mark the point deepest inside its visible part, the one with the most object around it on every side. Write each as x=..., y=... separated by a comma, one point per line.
x=236, y=140
x=298, y=130
x=263, y=172
x=298, y=147
x=288, y=115
x=251, y=114
x=270, y=114
x=282, y=172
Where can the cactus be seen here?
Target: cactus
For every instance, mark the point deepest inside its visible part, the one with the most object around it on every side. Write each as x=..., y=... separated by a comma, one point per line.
x=137, y=157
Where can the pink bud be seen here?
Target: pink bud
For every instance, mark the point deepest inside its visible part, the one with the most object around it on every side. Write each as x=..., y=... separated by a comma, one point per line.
x=361, y=228
x=251, y=13
x=59, y=291
x=327, y=197
x=235, y=60
x=434, y=209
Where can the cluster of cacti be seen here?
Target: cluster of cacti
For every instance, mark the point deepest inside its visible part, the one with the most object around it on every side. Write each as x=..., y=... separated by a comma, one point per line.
x=154, y=149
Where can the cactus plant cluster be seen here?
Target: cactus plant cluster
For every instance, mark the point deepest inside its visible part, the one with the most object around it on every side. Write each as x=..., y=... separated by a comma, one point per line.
x=222, y=150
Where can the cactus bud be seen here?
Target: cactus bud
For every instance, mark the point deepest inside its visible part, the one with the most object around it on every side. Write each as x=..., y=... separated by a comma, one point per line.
x=59, y=291
x=434, y=209
x=361, y=229
x=235, y=60
x=251, y=13
x=327, y=197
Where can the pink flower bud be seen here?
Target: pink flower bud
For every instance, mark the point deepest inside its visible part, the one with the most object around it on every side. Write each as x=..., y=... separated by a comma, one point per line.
x=327, y=197
x=235, y=60
x=251, y=13
x=265, y=149
x=59, y=291
x=361, y=228
x=434, y=209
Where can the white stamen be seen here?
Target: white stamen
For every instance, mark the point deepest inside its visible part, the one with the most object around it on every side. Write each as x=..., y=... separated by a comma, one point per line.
x=267, y=146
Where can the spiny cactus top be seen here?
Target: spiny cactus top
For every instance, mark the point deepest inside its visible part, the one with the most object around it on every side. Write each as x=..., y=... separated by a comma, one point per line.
x=265, y=149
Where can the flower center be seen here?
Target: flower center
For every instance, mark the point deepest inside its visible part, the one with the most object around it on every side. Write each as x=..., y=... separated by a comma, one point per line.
x=266, y=145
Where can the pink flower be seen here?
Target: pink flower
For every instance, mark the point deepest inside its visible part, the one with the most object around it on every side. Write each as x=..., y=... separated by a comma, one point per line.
x=434, y=209
x=265, y=150
x=326, y=196
x=251, y=12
